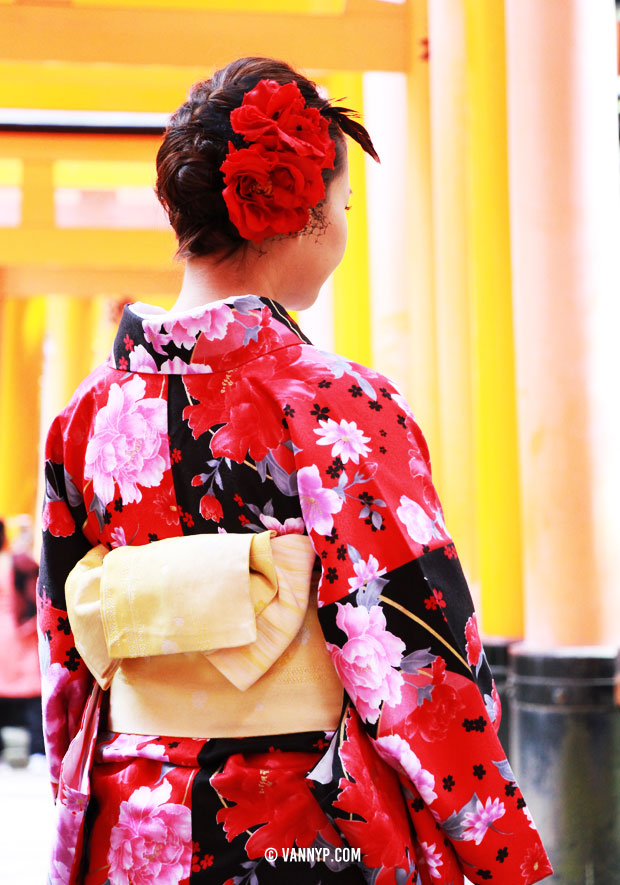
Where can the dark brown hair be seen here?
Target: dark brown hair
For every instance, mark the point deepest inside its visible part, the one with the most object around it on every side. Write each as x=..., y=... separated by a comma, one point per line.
x=189, y=180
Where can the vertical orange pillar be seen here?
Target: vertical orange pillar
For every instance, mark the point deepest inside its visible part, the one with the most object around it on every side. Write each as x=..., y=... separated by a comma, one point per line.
x=495, y=410
x=563, y=148
x=22, y=322
x=449, y=145
x=422, y=384
x=350, y=280
x=69, y=348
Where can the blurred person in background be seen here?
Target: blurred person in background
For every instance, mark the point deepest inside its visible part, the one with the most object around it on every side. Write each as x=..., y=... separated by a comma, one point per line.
x=21, y=731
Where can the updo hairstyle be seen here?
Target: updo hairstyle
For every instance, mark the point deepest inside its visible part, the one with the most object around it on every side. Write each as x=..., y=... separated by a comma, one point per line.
x=189, y=180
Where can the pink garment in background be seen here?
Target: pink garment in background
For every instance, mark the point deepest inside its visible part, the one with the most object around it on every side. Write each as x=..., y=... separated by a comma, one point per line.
x=19, y=657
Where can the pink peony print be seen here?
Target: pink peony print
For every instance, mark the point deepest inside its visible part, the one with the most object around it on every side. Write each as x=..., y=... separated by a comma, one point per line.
x=365, y=572
x=290, y=526
x=212, y=322
x=347, y=442
x=366, y=662
x=393, y=749
x=151, y=844
x=317, y=504
x=62, y=699
x=69, y=816
x=127, y=746
x=419, y=525
x=178, y=366
x=140, y=360
x=130, y=443
x=478, y=822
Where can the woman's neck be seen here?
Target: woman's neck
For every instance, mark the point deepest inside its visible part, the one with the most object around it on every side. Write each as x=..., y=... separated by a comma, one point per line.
x=206, y=280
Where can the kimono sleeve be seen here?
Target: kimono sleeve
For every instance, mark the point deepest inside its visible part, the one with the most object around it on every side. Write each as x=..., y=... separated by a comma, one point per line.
x=65, y=682
x=401, y=630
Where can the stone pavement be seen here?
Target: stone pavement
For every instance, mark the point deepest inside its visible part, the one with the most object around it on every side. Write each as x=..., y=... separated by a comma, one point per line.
x=26, y=812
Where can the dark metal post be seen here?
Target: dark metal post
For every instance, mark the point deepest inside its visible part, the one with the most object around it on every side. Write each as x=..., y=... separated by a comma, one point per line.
x=565, y=742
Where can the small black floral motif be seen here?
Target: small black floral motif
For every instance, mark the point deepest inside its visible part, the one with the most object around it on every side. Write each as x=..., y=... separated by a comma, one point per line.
x=484, y=874
x=520, y=802
x=324, y=554
x=332, y=537
x=118, y=505
x=107, y=517
x=479, y=771
x=63, y=625
x=323, y=383
x=335, y=468
x=417, y=804
x=341, y=552
x=365, y=498
x=402, y=420
x=382, y=432
x=385, y=393
x=510, y=789
x=332, y=575
x=321, y=413
x=355, y=390
x=153, y=537
x=289, y=411
x=448, y=783
x=173, y=744
x=375, y=405
x=382, y=449
x=502, y=854
x=73, y=659
x=478, y=724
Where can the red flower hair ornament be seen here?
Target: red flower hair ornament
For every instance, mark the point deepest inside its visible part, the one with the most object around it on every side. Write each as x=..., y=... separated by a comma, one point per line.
x=271, y=185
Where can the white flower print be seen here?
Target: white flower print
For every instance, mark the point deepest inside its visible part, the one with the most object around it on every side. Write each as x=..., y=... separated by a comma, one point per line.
x=365, y=572
x=346, y=439
x=478, y=822
x=317, y=504
x=420, y=527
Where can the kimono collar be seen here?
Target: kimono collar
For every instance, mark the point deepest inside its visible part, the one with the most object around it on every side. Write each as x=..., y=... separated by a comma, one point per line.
x=215, y=337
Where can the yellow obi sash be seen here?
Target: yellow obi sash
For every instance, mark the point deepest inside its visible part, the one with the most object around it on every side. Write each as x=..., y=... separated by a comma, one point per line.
x=206, y=636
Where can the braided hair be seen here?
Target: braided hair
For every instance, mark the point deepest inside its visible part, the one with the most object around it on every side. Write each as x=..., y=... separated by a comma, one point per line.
x=189, y=179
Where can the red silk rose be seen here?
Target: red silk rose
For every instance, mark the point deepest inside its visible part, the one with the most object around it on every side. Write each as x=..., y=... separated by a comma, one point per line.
x=270, y=192
x=275, y=116
x=271, y=185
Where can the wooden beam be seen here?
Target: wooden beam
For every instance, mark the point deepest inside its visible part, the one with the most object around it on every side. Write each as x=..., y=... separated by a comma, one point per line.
x=86, y=247
x=142, y=283
x=369, y=36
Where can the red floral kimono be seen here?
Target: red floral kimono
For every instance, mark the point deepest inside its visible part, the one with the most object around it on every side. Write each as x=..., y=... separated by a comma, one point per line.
x=227, y=419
